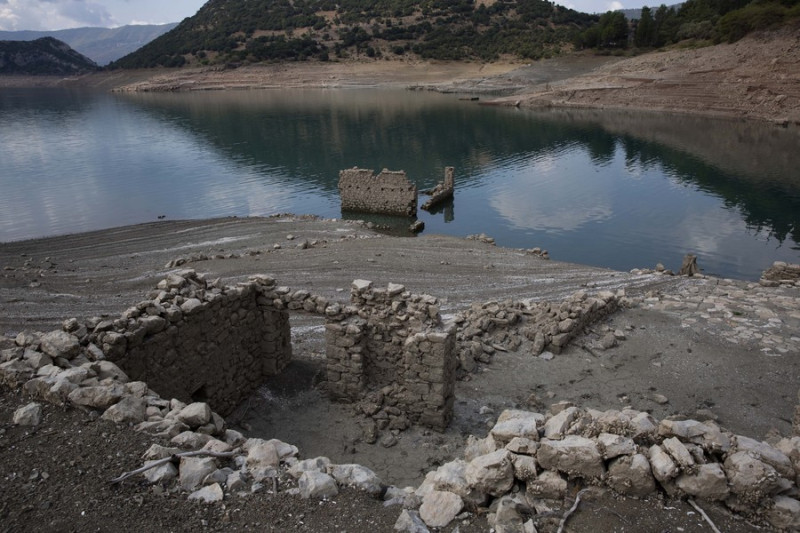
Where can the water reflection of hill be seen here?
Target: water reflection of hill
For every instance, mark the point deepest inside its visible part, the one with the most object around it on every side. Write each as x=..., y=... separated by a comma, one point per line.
x=754, y=166
x=311, y=135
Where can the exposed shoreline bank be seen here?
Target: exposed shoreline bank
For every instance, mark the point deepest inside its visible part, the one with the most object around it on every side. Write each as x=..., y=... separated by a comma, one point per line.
x=690, y=348
x=752, y=79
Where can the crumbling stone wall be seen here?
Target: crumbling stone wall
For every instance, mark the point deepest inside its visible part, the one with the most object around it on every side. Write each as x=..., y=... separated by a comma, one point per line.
x=443, y=190
x=199, y=341
x=781, y=273
x=395, y=342
x=388, y=193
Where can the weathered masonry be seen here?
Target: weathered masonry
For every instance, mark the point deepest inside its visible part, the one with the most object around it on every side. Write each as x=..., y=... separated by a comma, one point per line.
x=196, y=340
x=199, y=341
x=395, y=343
x=443, y=191
x=389, y=193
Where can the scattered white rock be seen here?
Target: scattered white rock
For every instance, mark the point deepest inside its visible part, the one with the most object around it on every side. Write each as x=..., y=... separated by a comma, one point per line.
x=439, y=508
x=28, y=415
x=210, y=494
x=318, y=485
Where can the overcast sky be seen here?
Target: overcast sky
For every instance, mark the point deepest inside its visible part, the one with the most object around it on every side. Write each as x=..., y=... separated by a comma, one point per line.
x=61, y=14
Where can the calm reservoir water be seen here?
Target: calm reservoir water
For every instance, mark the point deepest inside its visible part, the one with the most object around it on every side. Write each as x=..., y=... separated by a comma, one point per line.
x=619, y=190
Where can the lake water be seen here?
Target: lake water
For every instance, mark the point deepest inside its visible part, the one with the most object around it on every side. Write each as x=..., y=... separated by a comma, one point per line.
x=619, y=190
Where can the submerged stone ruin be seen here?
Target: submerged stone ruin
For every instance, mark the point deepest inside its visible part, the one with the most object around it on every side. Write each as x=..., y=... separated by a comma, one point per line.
x=388, y=193
x=443, y=190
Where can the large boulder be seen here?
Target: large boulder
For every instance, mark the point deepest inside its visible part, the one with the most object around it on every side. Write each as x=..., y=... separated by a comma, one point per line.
x=439, y=508
x=664, y=468
x=708, y=482
x=516, y=423
x=318, y=485
x=98, y=397
x=195, y=414
x=631, y=475
x=751, y=480
x=767, y=454
x=28, y=415
x=193, y=470
x=492, y=473
x=574, y=455
x=128, y=410
x=60, y=344
x=357, y=476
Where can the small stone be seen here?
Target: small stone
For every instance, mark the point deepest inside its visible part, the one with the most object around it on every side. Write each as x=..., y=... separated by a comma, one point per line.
x=410, y=522
x=210, y=494
x=314, y=484
x=161, y=473
x=28, y=415
x=660, y=399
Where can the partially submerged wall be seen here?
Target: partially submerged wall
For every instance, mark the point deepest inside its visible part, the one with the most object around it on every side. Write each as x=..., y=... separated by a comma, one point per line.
x=196, y=341
x=443, y=190
x=388, y=193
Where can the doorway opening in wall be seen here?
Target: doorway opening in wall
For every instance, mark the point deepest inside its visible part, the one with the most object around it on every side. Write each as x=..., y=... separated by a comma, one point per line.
x=294, y=407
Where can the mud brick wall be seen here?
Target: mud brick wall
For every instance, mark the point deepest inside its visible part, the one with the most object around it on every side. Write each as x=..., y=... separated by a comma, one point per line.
x=394, y=341
x=196, y=341
x=388, y=193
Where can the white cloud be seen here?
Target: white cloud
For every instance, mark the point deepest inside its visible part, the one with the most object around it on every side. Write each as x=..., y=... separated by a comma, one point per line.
x=52, y=14
x=614, y=6
x=545, y=194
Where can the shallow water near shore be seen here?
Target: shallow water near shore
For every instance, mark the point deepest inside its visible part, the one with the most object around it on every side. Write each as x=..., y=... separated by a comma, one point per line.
x=612, y=189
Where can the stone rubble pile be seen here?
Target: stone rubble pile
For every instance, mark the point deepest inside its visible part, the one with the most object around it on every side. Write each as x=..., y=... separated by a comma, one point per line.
x=482, y=237
x=486, y=328
x=743, y=313
x=781, y=273
x=531, y=462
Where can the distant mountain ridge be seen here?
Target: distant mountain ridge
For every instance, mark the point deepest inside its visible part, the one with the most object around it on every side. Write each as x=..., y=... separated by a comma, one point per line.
x=233, y=32
x=45, y=56
x=636, y=14
x=102, y=45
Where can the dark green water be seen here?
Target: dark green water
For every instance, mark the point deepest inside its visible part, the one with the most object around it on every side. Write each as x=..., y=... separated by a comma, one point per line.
x=619, y=190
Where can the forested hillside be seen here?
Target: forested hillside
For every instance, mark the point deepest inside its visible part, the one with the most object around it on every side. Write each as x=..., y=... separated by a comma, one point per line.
x=42, y=56
x=238, y=31
x=714, y=21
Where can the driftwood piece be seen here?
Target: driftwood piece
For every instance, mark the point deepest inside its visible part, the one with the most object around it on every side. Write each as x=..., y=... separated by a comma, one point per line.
x=704, y=515
x=175, y=458
x=571, y=510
